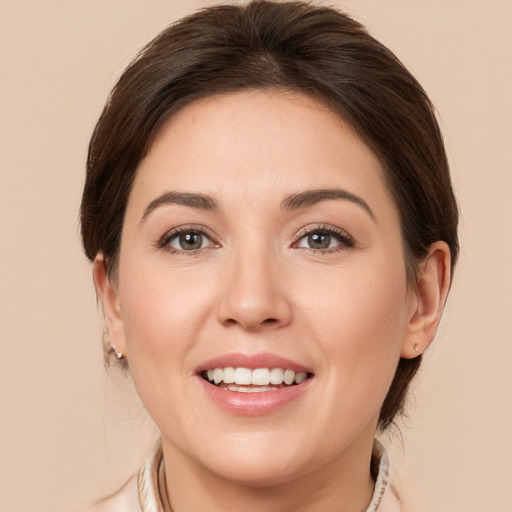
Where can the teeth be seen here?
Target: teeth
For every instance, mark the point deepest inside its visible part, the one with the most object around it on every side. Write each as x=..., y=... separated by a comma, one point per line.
x=218, y=375
x=276, y=376
x=289, y=377
x=242, y=376
x=259, y=377
x=249, y=389
x=300, y=377
x=229, y=375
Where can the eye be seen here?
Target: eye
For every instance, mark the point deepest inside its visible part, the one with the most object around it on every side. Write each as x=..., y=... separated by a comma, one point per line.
x=189, y=241
x=324, y=239
x=186, y=240
x=318, y=241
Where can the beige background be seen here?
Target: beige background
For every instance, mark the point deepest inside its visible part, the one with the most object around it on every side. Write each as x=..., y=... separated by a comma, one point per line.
x=70, y=431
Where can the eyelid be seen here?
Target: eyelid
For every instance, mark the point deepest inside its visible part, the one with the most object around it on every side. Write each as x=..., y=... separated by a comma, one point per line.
x=345, y=239
x=163, y=242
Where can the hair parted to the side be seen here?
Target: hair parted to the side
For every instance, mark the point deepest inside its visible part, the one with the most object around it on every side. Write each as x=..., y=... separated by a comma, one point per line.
x=295, y=46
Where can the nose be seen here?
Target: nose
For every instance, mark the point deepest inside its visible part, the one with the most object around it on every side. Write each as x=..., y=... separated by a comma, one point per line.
x=253, y=292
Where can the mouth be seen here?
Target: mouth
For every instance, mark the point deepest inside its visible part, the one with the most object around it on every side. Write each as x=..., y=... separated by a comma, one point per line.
x=254, y=384
x=258, y=380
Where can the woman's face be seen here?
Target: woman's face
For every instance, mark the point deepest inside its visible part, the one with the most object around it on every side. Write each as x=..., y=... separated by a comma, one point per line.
x=260, y=236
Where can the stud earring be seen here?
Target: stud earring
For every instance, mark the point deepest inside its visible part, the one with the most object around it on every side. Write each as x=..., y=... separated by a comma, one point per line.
x=416, y=347
x=119, y=355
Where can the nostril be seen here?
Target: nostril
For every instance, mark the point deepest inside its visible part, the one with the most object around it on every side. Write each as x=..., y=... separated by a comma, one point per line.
x=267, y=321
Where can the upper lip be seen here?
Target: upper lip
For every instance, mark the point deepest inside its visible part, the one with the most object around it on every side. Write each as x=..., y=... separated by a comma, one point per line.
x=252, y=361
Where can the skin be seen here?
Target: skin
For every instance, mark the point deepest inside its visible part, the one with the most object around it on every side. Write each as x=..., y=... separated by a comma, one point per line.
x=255, y=285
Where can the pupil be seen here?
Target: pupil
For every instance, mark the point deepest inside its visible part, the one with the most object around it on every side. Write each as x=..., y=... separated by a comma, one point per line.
x=190, y=241
x=319, y=241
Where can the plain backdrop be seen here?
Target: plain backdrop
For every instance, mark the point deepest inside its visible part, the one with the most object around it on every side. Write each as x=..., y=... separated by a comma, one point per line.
x=70, y=431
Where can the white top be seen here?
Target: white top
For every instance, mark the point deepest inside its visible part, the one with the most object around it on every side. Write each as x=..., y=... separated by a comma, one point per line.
x=142, y=493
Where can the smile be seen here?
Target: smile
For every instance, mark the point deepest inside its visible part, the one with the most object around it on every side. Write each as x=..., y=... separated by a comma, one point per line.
x=245, y=380
x=254, y=384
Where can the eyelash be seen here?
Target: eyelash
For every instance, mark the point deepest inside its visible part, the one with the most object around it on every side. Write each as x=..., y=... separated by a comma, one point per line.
x=346, y=241
x=164, y=242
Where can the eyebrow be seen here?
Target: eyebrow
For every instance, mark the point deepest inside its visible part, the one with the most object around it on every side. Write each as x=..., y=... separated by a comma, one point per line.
x=312, y=197
x=294, y=201
x=199, y=201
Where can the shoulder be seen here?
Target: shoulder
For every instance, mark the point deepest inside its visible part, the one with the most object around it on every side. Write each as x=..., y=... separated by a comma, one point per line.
x=124, y=500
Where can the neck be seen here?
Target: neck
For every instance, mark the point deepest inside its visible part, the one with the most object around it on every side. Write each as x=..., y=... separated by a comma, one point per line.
x=343, y=485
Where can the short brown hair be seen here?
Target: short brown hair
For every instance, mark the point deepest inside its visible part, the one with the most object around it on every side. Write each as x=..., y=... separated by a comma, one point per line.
x=317, y=51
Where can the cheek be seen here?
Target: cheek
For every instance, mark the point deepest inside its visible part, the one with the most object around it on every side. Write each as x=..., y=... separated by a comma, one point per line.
x=365, y=328
x=163, y=314
x=360, y=323
x=361, y=303
x=161, y=309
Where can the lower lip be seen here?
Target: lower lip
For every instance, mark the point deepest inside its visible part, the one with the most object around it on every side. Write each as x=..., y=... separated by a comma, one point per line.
x=253, y=404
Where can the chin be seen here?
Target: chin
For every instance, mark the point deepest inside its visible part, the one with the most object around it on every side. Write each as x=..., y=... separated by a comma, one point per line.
x=258, y=473
x=257, y=460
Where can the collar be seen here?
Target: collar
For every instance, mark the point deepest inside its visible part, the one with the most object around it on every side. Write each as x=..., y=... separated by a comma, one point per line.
x=151, y=479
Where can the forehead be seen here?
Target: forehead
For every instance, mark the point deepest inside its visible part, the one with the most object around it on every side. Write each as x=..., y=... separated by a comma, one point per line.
x=257, y=143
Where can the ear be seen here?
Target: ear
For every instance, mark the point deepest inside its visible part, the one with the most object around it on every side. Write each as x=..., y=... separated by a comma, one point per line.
x=109, y=296
x=433, y=284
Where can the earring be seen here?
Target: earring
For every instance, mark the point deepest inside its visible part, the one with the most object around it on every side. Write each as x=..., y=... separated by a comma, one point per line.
x=416, y=347
x=119, y=355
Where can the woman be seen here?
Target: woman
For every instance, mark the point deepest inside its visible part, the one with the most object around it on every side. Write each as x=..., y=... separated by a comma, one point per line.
x=273, y=231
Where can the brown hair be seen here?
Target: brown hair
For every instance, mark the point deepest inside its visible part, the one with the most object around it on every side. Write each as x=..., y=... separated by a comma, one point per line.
x=314, y=50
